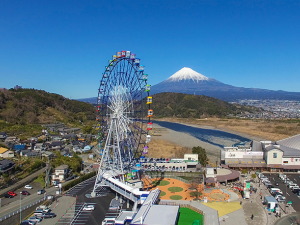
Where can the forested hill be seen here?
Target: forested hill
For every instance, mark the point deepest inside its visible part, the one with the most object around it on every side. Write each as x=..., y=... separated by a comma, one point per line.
x=194, y=106
x=30, y=106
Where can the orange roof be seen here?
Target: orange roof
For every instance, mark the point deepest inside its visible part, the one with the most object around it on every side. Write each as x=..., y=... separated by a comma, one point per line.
x=2, y=150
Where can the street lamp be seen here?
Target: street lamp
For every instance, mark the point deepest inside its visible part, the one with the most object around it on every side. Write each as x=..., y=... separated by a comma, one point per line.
x=20, y=207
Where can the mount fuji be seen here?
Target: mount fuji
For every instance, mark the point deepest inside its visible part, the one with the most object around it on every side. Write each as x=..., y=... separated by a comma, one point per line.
x=188, y=81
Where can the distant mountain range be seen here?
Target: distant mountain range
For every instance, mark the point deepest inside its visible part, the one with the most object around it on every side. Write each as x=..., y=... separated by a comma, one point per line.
x=188, y=81
x=196, y=106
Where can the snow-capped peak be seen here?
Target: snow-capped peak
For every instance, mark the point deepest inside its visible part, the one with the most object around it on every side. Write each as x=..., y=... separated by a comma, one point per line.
x=187, y=74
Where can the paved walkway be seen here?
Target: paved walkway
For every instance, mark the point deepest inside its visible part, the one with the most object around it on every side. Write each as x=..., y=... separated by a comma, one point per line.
x=254, y=206
x=60, y=208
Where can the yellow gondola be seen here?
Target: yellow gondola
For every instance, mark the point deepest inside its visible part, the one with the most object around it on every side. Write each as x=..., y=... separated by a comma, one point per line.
x=149, y=100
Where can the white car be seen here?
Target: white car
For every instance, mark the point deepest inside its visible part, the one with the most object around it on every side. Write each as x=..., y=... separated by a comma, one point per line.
x=28, y=186
x=89, y=208
x=35, y=219
x=108, y=221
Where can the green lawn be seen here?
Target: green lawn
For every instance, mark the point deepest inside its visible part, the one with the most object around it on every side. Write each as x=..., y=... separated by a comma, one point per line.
x=175, y=197
x=188, y=216
x=162, y=193
x=175, y=189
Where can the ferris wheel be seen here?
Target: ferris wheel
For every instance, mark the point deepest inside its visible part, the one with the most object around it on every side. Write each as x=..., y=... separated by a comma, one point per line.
x=123, y=114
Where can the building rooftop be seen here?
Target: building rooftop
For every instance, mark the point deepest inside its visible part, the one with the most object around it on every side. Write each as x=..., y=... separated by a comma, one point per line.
x=2, y=150
x=291, y=142
x=162, y=214
x=62, y=167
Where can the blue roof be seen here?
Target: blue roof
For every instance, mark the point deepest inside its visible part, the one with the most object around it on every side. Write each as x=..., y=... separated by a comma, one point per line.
x=270, y=199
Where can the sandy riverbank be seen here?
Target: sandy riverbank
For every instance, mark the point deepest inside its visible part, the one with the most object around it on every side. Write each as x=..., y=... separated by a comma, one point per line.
x=169, y=143
x=165, y=142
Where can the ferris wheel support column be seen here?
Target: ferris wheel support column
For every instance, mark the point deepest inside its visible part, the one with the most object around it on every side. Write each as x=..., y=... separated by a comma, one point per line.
x=116, y=164
x=101, y=171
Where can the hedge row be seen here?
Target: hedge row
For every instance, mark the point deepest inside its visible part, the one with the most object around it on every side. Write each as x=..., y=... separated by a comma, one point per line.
x=78, y=180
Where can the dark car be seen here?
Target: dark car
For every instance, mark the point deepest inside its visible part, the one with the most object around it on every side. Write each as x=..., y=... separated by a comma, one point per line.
x=40, y=192
x=8, y=196
x=48, y=215
x=296, y=190
x=25, y=193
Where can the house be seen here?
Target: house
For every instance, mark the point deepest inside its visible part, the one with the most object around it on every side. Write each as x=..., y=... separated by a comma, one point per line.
x=6, y=165
x=19, y=147
x=29, y=153
x=48, y=154
x=6, y=153
x=56, y=145
x=3, y=135
x=60, y=173
x=11, y=139
x=39, y=147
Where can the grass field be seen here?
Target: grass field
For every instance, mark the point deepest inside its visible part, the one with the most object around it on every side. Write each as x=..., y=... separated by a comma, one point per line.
x=188, y=216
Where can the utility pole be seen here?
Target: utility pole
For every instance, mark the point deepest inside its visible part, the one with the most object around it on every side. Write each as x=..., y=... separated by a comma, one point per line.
x=47, y=172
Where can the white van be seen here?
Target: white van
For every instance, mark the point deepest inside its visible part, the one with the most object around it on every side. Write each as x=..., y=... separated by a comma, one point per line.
x=292, y=186
x=272, y=190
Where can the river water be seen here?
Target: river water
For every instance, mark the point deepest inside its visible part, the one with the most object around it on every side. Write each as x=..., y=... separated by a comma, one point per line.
x=214, y=137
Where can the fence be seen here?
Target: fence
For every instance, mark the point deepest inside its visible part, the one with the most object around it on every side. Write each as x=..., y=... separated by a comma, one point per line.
x=20, y=209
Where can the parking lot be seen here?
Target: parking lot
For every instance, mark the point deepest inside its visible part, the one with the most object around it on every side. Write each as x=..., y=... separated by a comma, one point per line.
x=287, y=192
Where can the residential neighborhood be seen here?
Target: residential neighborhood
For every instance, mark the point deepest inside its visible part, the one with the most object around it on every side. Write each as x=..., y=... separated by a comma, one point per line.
x=54, y=139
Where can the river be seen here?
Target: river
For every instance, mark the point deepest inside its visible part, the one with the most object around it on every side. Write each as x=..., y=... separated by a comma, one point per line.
x=214, y=137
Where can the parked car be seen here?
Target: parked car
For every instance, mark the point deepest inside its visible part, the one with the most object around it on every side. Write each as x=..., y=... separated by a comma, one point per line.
x=48, y=215
x=296, y=190
x=280, y=198
x=44, y=209
x=12, y=193
x=35, y=219
x=40, y=192
x=28, y=222
x=50, y=197
x=38, y=212
x=108, y=221
x=8, y=196
x=89, y=208
x=25, y=193
x=28, y=186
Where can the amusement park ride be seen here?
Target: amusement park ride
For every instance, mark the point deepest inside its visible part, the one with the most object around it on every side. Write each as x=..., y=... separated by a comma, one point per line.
x=124, y=118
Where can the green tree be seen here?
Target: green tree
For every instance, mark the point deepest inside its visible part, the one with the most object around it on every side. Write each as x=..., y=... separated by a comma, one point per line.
x=202, y=157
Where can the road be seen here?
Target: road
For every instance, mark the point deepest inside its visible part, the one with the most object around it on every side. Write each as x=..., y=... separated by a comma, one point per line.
x=24, y=200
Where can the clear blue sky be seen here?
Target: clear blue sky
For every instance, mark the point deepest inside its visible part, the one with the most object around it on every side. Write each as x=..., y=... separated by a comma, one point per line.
x=63, y=46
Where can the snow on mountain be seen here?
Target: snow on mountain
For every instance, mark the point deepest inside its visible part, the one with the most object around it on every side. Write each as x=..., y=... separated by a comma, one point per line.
x=187, y=74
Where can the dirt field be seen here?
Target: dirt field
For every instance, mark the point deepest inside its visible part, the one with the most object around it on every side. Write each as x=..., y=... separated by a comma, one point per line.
x=172, y=187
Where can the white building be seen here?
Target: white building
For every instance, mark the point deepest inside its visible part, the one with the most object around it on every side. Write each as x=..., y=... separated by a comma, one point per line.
x=60, y=173
x=283, y=155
